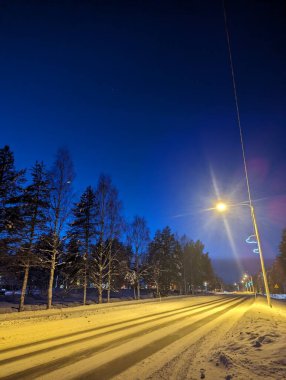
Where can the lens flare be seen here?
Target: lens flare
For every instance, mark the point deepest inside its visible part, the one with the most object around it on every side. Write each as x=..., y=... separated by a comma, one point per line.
x=221, y=207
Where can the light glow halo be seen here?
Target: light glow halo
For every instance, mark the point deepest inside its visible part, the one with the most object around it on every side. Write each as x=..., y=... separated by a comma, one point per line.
x=221, y=206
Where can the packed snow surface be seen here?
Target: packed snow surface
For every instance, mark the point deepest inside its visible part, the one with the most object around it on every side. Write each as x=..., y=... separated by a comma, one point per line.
x=206, y=337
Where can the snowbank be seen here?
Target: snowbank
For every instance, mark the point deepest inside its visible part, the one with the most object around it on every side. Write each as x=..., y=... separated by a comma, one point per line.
x=278, y=296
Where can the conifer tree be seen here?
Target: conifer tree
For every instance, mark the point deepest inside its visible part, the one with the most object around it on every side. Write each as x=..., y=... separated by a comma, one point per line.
x=121, y=257
x=165, y=258
x=35, y=217
x=11, y=222
x=83, y=232
x=282, y=252
x=70, y=267
x=197, y=267
x=11, y=182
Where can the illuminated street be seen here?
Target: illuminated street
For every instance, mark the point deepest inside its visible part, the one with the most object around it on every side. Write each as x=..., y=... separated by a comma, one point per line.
x=143, y=190
x=172, y=339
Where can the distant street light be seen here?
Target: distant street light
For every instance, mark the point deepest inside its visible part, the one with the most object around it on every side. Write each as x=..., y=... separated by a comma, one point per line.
x=236, y=285
x=221, y=207
x=206, y=286
x=244, y=282
x=248, y=282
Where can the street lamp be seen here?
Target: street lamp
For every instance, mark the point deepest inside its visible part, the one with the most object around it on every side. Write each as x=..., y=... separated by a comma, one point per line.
x=221, y=207
x=244, y=161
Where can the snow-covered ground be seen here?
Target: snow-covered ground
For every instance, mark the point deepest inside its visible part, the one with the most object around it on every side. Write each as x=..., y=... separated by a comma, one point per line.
x=213, y=337
x=278, y=296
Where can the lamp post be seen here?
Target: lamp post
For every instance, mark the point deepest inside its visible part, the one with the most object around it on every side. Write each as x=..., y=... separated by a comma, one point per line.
x=261, y=256
x=222, y=207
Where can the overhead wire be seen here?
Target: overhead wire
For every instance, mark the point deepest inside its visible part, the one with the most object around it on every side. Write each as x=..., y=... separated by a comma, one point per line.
x=236, y=104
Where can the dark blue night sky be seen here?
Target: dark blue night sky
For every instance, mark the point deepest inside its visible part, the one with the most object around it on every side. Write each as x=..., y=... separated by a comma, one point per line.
x=142, y=91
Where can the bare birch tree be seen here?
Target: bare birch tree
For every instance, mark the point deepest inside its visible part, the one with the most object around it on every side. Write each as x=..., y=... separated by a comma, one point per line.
x=61, y=177
x=108, y=223
x=138, y=238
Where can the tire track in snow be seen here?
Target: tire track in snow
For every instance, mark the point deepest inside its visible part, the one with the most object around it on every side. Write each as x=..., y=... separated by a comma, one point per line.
x=95, y=329
x=116, y=366
x=53, y=365
x=74, y=310
x=187, y=363
x=129, y=326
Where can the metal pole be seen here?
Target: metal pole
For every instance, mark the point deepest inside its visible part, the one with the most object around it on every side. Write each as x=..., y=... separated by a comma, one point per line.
x=261, y=256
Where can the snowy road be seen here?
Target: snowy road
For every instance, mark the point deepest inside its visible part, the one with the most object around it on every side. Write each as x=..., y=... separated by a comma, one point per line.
x=123, y=341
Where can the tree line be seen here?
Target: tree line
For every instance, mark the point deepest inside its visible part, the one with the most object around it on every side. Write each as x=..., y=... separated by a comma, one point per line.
x=49, y=240
x=276, y=274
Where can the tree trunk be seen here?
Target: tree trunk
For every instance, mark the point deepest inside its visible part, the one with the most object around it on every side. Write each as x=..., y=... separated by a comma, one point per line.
x=24, y=287
x=108, y=293
x=109, y=281
x=157, y=289
x=137, y=274
x=84, y=291
x=185, y=285
x=85, y=281
x=100, y=286
x=51, y=281
x=100, y=294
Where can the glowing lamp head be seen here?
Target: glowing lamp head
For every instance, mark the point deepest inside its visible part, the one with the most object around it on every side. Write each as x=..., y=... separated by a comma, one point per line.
x=221, y=207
